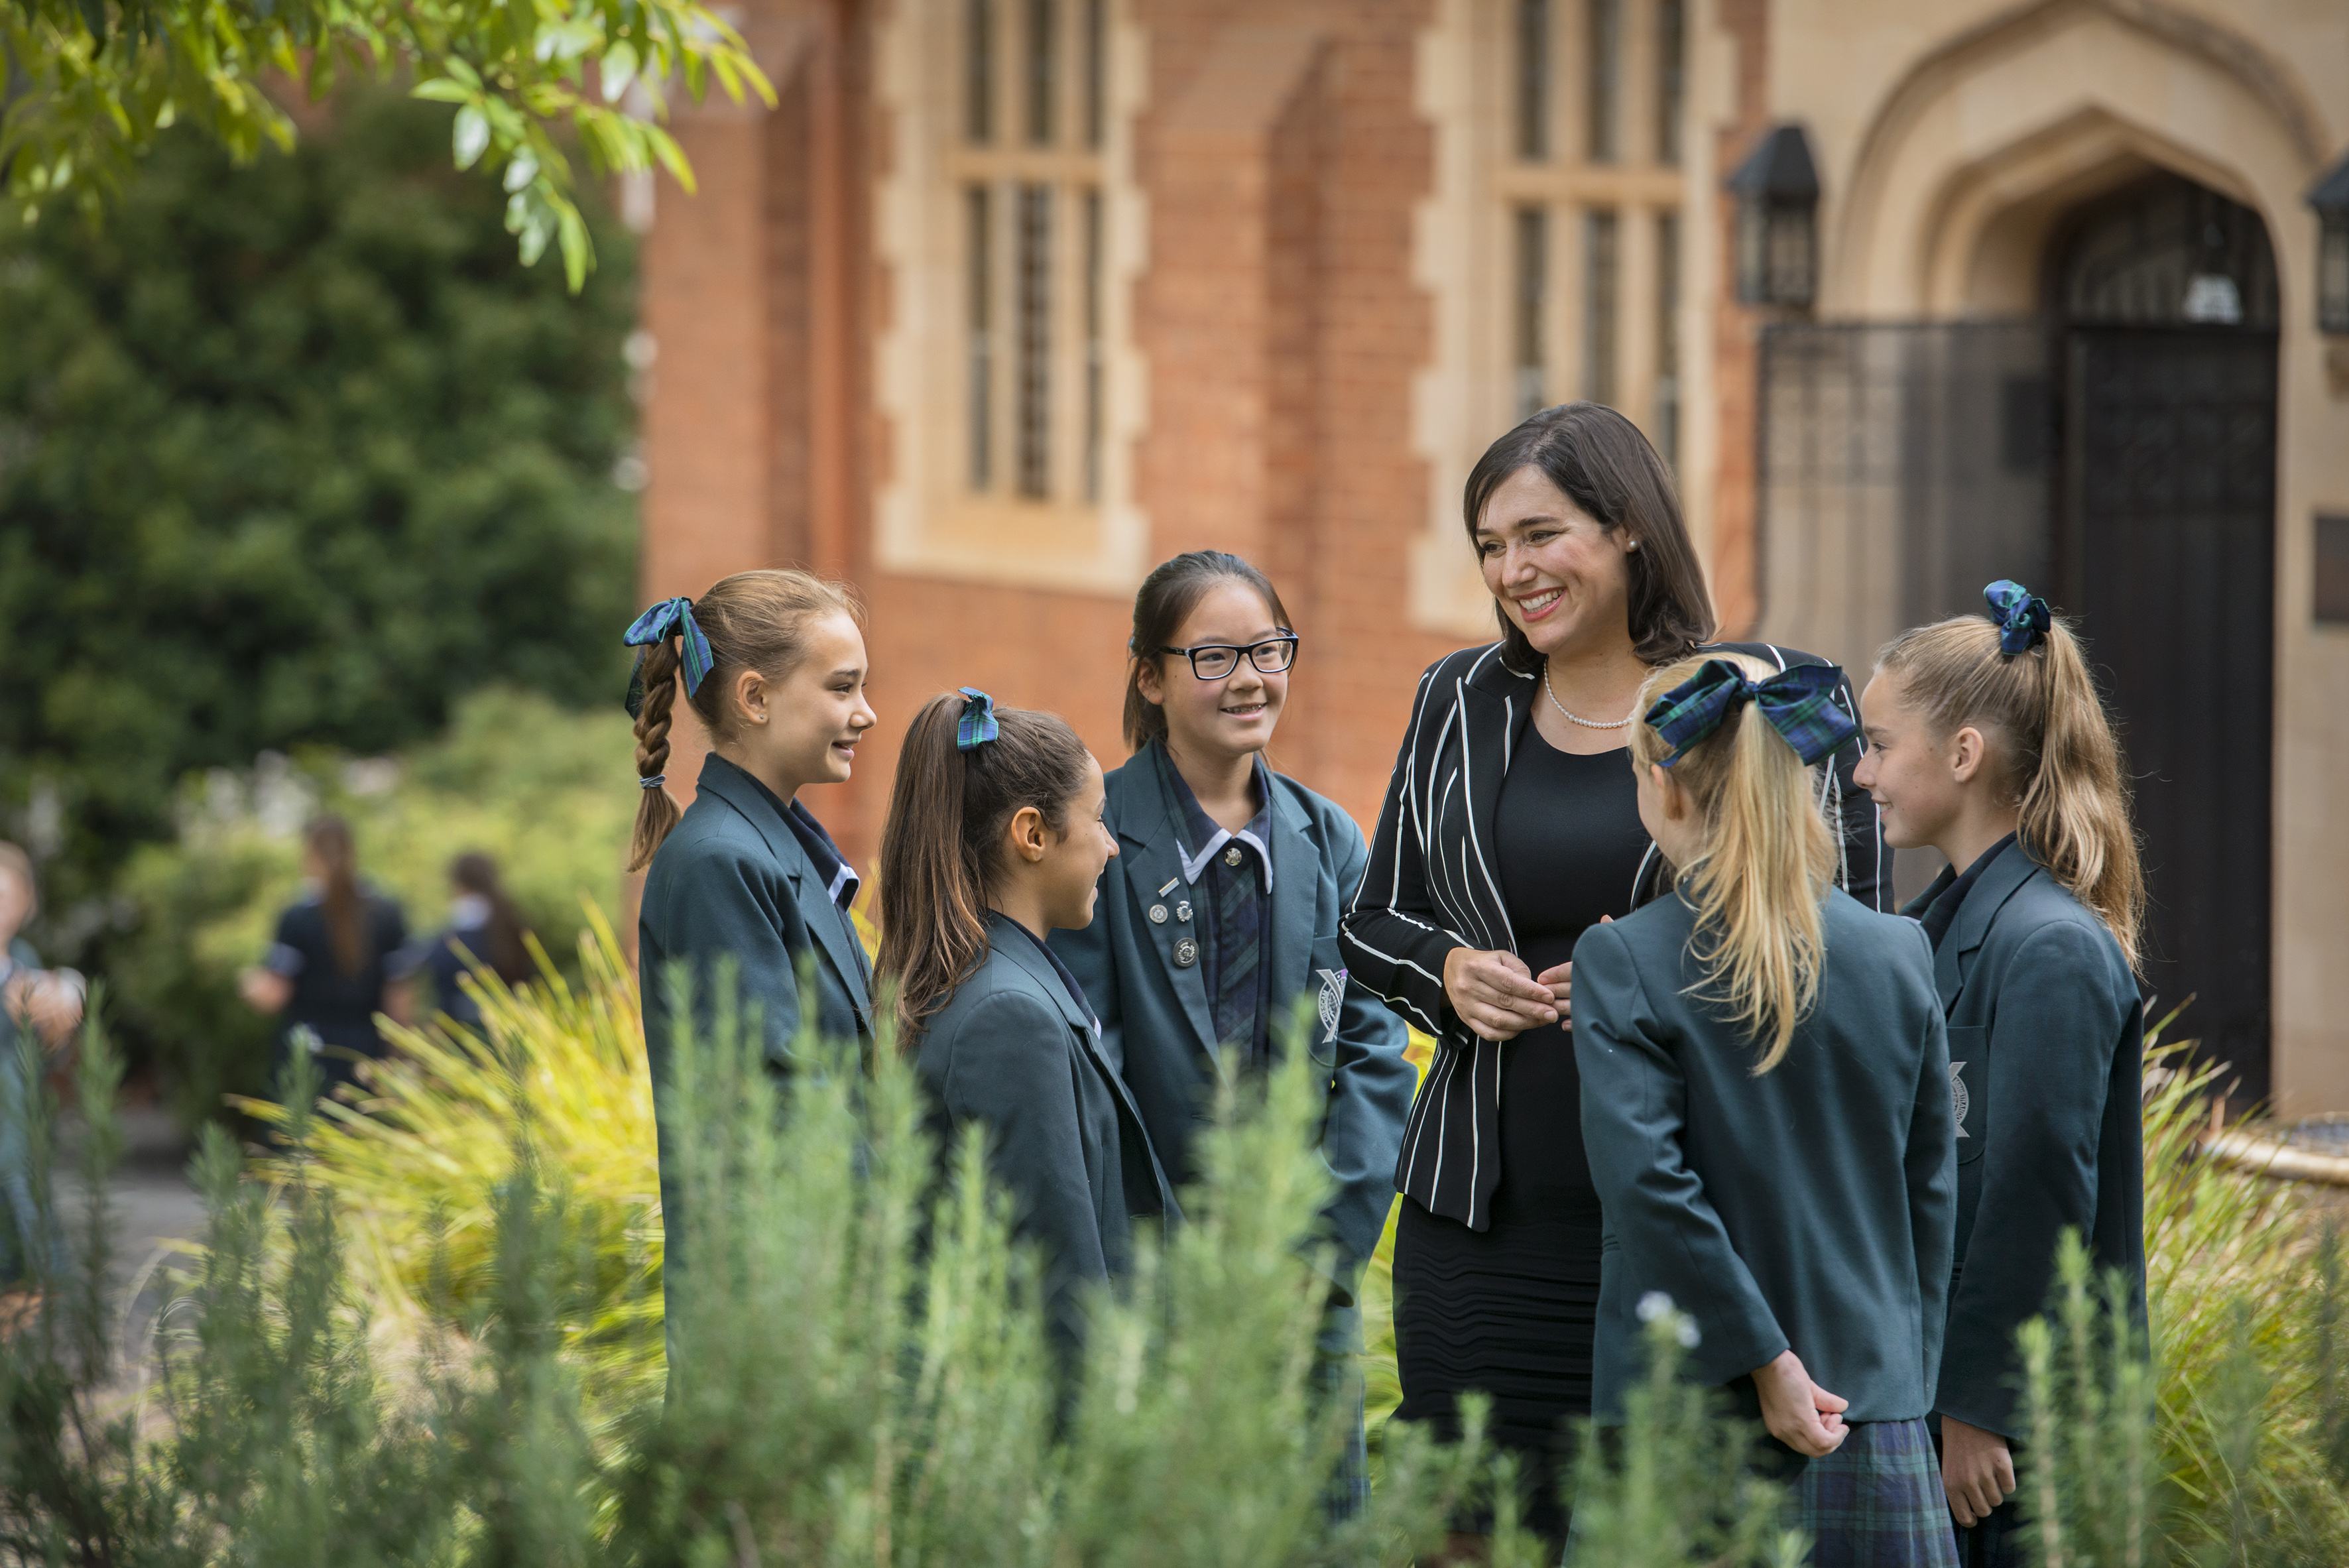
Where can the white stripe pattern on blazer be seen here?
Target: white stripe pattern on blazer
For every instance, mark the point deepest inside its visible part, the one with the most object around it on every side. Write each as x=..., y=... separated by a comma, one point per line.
x=1431, y=886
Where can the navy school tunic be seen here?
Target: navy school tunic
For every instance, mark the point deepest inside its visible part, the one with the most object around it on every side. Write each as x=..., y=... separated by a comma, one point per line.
x=2046, y=1051
x=1016, y=1050
x=339, y=1006
x=1145, y=965
x=1811, y=1207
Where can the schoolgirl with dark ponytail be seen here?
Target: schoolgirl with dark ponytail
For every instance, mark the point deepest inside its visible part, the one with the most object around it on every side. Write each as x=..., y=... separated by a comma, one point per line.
x=330, y=966
x=995, y=840
x=747, y=881
x=1987, y=740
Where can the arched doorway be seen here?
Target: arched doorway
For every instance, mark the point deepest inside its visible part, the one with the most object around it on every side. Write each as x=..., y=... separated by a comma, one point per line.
x=2163, y=295
x=2117, y=445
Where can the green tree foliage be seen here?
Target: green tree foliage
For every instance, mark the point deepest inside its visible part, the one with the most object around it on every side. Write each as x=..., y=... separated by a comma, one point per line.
x=293, y=453
x=88, y=85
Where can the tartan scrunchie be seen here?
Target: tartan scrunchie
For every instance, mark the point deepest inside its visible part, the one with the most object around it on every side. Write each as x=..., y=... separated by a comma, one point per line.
x=670, y=616
x=977, y=724
x=2022, y=615
x=1799, y=702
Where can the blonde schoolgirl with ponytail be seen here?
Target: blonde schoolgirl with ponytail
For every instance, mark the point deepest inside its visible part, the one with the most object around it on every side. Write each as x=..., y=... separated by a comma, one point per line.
x=1987, y=741
x=1765, y=1102
x=747, y=884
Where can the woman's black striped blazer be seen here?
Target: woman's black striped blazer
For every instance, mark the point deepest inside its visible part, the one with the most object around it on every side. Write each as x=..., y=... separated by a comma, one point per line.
x=1432, y=886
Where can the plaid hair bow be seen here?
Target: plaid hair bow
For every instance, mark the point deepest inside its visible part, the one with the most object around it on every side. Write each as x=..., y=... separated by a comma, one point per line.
x=1799, y=702
x=977, y=724
x=2022, y=616
x=670, y=616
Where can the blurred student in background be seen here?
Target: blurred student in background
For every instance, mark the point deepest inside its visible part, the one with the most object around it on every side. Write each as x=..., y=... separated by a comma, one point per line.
x=484, y=928
x=330, y=968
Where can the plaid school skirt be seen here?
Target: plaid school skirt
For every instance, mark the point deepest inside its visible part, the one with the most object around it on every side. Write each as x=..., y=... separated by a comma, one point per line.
x=1875, y=1501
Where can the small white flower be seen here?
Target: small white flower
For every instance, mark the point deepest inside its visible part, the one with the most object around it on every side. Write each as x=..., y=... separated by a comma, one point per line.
x=1688, y=1333
x=1654, y=1306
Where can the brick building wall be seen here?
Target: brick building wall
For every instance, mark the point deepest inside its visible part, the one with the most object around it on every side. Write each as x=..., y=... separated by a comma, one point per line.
x=1279, y=157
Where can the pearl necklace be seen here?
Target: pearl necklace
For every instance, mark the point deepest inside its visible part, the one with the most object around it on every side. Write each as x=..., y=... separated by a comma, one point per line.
x=1622, y=722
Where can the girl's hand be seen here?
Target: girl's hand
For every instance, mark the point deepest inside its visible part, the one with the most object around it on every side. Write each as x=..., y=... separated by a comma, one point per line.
x=1977, y=1471
x=1558, y=979
x=1798, y=1411
x=1495, y=993
x=264, y=990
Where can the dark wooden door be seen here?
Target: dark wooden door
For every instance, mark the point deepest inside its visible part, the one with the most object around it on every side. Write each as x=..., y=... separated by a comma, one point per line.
x=2168, y=558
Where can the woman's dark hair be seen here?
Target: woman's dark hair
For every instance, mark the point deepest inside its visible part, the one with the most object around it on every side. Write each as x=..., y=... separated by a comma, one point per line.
x=328, y=839
x=508, y=958
x=948, y=810
x=754, y=620
x=1606, y=469
x=1168, y=595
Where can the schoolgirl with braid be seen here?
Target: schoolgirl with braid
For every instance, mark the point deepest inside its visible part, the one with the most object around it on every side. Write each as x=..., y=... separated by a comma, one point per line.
x=1988, y=741
x=1766, y=1100
x=772, y=665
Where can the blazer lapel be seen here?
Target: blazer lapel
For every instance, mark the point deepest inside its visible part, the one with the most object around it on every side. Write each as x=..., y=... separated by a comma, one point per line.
x=2000, y=880
x=1296, y=886
x=1017, y=946
x=1494, y=705
x=828, y=923
x=824, y=919
x=1151, y=842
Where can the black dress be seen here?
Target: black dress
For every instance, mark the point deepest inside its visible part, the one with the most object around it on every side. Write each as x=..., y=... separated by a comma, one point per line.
x=1510, y=1310
x=338, y=1005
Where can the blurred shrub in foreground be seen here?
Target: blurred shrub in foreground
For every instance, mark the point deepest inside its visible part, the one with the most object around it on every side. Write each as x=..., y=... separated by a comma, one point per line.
x=864, y=1375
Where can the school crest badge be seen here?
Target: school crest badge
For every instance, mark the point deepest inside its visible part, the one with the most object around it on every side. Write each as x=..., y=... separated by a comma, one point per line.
x=1333, y=996
x=1963, y=1101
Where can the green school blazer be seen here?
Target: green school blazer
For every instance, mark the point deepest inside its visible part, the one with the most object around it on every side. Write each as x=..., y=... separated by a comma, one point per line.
x=1811, y=1207
x=1155, y=1022
x=1013, y=1051
x=732, y=882
x=2047, y=1043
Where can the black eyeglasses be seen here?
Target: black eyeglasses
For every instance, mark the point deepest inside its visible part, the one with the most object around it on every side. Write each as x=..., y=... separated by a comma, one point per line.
x=1214, y=661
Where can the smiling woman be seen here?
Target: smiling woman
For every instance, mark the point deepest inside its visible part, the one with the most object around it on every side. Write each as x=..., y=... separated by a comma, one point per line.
x=1510, y=828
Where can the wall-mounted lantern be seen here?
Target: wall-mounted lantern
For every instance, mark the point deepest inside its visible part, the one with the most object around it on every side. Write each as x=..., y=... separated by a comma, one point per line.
x=2330, y=200
x=1778, y=192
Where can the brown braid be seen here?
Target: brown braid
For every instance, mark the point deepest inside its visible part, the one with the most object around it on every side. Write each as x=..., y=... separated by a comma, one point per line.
x=656, y=812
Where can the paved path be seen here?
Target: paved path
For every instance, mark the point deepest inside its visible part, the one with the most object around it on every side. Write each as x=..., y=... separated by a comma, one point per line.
x=154, y=1205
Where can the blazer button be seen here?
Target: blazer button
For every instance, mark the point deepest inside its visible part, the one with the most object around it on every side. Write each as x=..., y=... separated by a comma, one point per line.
x=1157, y=914
x=1186, y=953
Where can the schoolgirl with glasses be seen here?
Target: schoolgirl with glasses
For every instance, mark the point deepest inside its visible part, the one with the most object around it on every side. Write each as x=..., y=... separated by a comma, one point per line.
x=1219, y=916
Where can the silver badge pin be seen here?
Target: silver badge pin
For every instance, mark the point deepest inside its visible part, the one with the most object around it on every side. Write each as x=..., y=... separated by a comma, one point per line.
x=1232, y=856
x=1186, y=953
x=1171, y=884
x=1157, y=914
x=1182, y=909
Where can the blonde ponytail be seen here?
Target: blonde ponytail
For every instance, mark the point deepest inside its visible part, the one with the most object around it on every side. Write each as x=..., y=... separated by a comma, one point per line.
x=1768, y=860
x=2052, y=743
